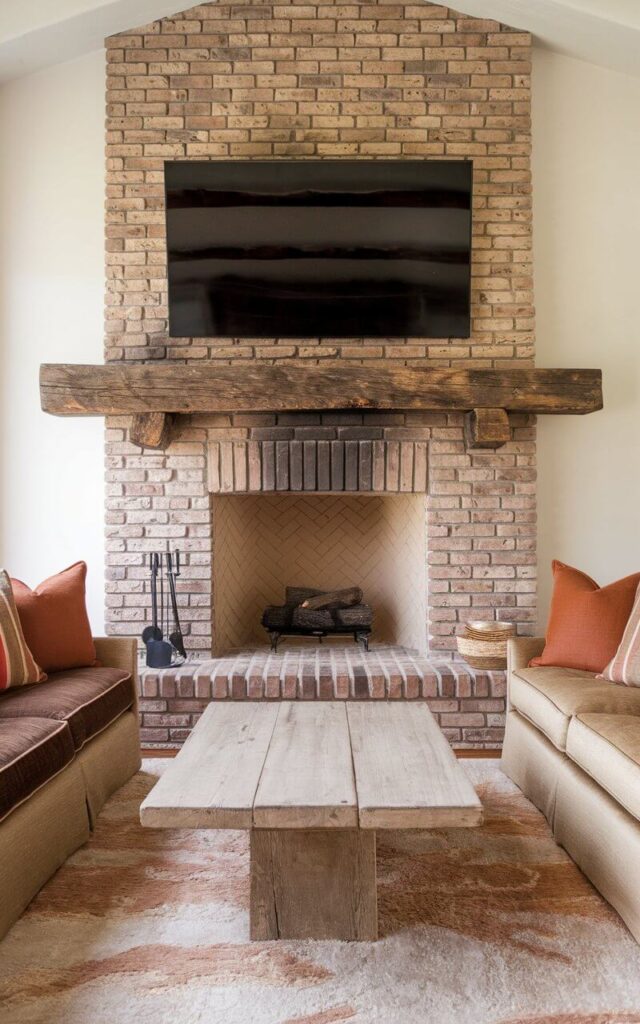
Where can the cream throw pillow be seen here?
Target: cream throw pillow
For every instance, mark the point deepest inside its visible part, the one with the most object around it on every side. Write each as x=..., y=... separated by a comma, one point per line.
x=624, y=667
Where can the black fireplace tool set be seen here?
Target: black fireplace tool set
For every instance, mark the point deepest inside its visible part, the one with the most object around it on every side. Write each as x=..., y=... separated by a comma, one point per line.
x=162, y=653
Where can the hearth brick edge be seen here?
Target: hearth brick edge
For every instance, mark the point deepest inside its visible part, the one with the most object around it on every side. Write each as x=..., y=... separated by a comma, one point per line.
x=321, y=80
x=468, y=705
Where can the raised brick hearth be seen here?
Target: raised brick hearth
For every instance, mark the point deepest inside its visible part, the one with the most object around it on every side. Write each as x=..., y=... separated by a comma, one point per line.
x=468, y=704
x=324, y=79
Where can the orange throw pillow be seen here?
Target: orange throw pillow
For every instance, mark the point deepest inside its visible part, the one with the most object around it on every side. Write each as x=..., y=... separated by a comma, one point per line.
x=54, y=620
x=586, y=621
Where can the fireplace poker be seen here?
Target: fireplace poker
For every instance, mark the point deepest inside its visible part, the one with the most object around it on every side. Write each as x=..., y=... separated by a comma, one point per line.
x=175, y=636
x=153, y=632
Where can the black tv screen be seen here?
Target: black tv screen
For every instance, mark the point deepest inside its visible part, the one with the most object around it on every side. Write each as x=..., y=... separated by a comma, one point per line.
x=319, y=248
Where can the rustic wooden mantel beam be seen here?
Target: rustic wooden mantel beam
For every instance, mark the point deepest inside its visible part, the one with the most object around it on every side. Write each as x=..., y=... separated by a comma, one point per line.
x=116, y=389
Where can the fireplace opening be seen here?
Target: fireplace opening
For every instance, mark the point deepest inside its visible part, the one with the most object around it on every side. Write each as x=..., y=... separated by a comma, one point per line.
x=264, y=543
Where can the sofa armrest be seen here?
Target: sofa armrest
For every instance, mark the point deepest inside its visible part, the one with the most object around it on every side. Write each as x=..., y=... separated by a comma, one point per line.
x=119, y=652
x=520, y=651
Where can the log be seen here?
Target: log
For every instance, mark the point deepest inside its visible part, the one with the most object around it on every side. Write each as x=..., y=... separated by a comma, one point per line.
x=335, y=599
x=321, y=618
x=277, y=617
x=284, y=617
x=151, y=430
x=295, y=596
x=360, y=615
x=487, y=428
x=128, y=388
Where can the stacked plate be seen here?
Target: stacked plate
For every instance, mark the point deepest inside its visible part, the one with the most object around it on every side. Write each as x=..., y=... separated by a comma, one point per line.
x=484, y=644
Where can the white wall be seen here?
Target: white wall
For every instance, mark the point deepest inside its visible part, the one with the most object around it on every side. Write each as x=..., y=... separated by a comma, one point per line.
x=587, y=245
x=586, y=167
x=51, y=310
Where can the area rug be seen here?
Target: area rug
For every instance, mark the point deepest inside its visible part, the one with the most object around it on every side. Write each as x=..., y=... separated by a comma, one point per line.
x=478, y=926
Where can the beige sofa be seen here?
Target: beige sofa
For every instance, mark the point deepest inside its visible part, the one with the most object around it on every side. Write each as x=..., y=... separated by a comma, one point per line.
x=65, y=746
x=572, y=745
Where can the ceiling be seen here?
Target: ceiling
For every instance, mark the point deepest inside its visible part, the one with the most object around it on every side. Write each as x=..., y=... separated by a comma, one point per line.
x=37, y=33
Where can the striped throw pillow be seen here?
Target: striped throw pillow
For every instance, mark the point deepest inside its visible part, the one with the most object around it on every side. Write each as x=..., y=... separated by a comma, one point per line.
x=624, y=667
x=17, y=666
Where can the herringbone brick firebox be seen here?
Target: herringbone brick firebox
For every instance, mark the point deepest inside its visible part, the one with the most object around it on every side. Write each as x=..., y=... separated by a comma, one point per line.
x=388, y=80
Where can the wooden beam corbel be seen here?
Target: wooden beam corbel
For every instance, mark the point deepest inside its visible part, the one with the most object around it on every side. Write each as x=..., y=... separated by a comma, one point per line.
x=151, y=429
x=486, y=428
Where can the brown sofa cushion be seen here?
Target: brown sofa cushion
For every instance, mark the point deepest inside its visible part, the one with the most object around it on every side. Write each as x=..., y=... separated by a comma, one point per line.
x=607, y=747
x=32, y=751
x=549, y=697
x=89, y=699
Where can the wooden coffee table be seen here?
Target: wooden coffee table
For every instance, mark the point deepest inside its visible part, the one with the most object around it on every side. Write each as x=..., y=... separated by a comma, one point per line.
x=313, y=782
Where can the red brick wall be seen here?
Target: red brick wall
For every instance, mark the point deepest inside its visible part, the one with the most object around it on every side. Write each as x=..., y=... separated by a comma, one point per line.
x=323, y=80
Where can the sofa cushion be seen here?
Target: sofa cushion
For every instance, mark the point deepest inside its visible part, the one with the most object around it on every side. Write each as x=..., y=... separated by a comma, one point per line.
x=607, y=747
x=32, y=751
x=549, y=697
x=89, y=699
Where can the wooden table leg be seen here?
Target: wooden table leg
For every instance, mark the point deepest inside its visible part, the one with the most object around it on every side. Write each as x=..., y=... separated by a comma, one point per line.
x=317, y=884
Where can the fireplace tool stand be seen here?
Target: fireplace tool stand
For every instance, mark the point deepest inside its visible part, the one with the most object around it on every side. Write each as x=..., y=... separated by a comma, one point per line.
x=161, y=652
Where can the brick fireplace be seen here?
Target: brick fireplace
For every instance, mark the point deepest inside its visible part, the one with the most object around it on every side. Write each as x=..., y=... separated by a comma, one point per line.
x=455, y=526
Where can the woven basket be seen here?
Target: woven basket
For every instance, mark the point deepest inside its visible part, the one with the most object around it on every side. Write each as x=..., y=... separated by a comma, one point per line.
x=489, y=630
x=483, y=654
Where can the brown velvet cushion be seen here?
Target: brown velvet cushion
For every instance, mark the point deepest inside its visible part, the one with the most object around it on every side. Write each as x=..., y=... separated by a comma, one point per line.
x=89, y=699
x=32, y=751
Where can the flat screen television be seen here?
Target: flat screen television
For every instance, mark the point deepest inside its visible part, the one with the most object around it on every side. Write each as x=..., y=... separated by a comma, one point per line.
x=319, y=248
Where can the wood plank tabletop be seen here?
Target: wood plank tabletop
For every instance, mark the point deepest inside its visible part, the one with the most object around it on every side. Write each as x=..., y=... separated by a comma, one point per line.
x=307, y=780
x=407, y=775
x=314, y=765
x=212, y=782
